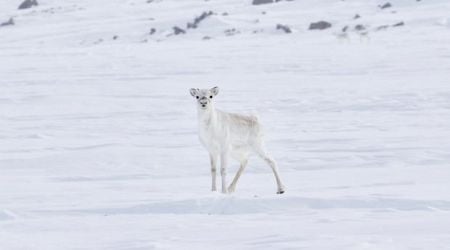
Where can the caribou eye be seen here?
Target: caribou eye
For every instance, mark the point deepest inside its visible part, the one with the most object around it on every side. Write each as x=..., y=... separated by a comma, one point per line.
x=211, y=97
x=197, y=97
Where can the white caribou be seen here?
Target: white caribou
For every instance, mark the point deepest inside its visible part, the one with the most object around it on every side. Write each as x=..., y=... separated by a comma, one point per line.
x=227, y=135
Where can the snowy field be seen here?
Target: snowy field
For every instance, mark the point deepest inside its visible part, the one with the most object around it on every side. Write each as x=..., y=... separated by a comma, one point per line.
x=98, y=131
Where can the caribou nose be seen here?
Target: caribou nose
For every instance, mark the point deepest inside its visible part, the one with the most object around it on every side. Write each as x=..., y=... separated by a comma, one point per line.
x=203, y=102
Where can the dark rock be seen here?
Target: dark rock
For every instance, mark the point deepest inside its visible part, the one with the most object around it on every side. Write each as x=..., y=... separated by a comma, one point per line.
x=28, y=4
x=225, y=14
x=284, y=28
x=356, y=16
x=360, y=27
x=398, y=24
x=199, y=19
x=345, y=28
x=231, y=32
x=115, y=37
x=382, y=27
x=258, y=2
x=206, y=38
x=177, y=30
x=385, y=6
x=321, y=25
x=7, y=23
x=364, y=34
x=152, y=31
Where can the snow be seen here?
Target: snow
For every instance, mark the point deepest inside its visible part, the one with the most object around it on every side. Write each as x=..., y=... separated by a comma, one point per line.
x=98, y=136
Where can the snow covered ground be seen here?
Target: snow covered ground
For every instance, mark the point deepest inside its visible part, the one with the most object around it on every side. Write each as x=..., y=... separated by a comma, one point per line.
x=98, y=130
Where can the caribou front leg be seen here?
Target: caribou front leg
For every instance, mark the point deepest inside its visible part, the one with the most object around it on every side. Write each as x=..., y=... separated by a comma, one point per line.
x=223, y=171
x=213, y=160
x=232, y=186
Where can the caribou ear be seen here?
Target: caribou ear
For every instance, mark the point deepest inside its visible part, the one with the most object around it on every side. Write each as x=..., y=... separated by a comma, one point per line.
x=193, y=92
x=215, y=90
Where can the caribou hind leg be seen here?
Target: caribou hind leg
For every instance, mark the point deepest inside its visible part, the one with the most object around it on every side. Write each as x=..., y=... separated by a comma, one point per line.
x=271, y=162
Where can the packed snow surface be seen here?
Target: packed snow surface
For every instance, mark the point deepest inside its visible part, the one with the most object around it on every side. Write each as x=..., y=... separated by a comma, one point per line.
x=98, y=131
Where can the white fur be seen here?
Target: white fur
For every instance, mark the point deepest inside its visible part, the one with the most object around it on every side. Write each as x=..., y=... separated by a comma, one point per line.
x=227, y=135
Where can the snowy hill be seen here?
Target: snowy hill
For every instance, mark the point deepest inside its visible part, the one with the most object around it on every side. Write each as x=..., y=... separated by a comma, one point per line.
x=104, y=21
x=99, y=148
